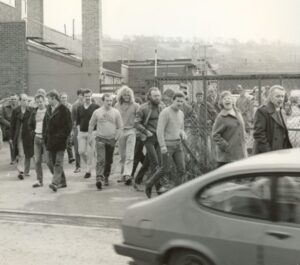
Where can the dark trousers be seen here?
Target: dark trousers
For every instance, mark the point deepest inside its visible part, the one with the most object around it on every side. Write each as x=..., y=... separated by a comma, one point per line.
x=154, y=156
x=12, y=158
x=176, y=153
x=141, y=173
x=105, y=152
x=75, y=140
x=69, y=148
x=139, y=156
x=153, y=152
x=55, y=164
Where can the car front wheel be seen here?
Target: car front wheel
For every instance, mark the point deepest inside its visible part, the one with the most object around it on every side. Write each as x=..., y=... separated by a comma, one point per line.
x=187, y=257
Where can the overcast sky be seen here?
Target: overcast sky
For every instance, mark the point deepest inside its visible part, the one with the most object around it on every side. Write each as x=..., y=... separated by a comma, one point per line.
x=207, y=19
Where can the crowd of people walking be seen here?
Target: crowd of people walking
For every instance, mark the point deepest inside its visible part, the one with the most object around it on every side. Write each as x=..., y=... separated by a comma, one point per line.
x=153, y=133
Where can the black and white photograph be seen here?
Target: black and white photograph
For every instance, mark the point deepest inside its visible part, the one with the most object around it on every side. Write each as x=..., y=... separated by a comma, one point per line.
x=138, y=132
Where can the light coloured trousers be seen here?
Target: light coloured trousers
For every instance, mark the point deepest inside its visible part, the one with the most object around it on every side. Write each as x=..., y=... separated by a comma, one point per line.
x=23, y=164
x=86, y=150
x=126, y=149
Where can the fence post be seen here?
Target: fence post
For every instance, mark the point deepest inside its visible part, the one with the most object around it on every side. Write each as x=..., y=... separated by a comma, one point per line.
x=205, y=119
x=259, y=92
x=281, y=81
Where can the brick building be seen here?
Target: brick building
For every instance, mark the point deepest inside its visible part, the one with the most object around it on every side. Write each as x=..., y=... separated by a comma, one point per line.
x=139, y=75
x=34, y=56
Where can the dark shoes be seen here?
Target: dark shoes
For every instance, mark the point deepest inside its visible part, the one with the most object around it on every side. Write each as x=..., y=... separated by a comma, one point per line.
x=21, y=176
x=99, y=180
x=60, y=186
x=127, y=180
x=99, y=185
x=71, y=160
x=53, y=187
x=87, y=175
x=37, y=185
x=148, y=191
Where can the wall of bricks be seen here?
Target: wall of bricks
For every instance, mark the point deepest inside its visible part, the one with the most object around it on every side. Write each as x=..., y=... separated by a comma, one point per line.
x=9, y=13
x=91, y=42
x=13, y=58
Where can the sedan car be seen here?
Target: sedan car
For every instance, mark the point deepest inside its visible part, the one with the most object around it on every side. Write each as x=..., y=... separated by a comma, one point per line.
x=247, y=212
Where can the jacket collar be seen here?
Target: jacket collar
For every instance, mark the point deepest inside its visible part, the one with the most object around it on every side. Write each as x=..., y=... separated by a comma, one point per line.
x=270, y=107
x=225, y=112
x=275, y=115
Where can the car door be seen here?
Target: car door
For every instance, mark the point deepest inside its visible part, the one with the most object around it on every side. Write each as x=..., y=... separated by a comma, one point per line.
x=231, y=219
x=281, y=239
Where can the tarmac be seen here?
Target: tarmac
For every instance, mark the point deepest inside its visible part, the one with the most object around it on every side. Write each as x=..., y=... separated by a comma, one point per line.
x=79, y=199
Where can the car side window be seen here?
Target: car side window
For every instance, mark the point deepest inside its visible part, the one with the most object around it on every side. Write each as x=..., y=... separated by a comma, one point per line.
x=288, y=199
x=246, y=196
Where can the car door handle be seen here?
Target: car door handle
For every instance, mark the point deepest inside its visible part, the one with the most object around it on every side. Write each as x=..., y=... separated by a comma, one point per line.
x=279, y=235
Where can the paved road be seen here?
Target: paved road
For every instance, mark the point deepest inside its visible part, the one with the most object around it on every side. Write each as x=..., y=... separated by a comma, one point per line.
x=80, y=197
x=34, y=243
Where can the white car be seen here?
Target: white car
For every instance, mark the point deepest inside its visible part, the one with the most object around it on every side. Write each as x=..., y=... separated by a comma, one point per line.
x=244, y=213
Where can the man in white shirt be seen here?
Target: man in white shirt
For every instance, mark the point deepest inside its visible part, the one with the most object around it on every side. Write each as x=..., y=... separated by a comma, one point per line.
x=36, y=125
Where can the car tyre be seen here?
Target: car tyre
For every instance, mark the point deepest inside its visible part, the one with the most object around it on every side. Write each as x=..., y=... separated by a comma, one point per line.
x=187, y=257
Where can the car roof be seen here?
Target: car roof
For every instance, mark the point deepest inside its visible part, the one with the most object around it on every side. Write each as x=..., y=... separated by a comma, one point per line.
x=282, y=160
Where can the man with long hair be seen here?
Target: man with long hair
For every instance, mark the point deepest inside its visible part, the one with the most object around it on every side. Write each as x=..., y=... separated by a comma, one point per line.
x=128, y=109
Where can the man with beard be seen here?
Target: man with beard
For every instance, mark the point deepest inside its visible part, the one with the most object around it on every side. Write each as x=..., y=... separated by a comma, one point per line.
x=109, y=122
x=146, y=123
x=86, y=148
x=170, y=132
x=128, y=109
x=270, y=131
x=57, y=126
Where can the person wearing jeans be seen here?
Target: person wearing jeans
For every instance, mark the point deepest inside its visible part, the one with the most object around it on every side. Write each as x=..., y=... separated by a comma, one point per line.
x=57, y=126
x=170, y=133
x=109, y=122
x=128, y=109
x=36, y=126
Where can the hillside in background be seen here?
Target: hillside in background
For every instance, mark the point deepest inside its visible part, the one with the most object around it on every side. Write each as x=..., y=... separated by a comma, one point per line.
x=227, y=56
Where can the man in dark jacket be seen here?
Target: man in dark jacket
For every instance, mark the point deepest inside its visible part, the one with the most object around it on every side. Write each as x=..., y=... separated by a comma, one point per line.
x=21, y=136
x=57, y=127
x=5, y=119
x=146, y=123
x=270, y=131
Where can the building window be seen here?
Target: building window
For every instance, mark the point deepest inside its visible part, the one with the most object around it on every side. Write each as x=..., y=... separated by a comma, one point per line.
x=9, y=2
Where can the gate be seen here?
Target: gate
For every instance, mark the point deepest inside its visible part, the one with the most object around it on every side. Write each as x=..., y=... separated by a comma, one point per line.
x=199, y=118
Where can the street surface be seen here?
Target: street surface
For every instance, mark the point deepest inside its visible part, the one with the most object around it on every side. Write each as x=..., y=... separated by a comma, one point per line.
x=81, y=197
x=32, y=244
x=76, y=225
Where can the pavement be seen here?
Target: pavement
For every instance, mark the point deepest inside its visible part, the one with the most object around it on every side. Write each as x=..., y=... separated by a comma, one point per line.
x=31, y=244
x=80, y=198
